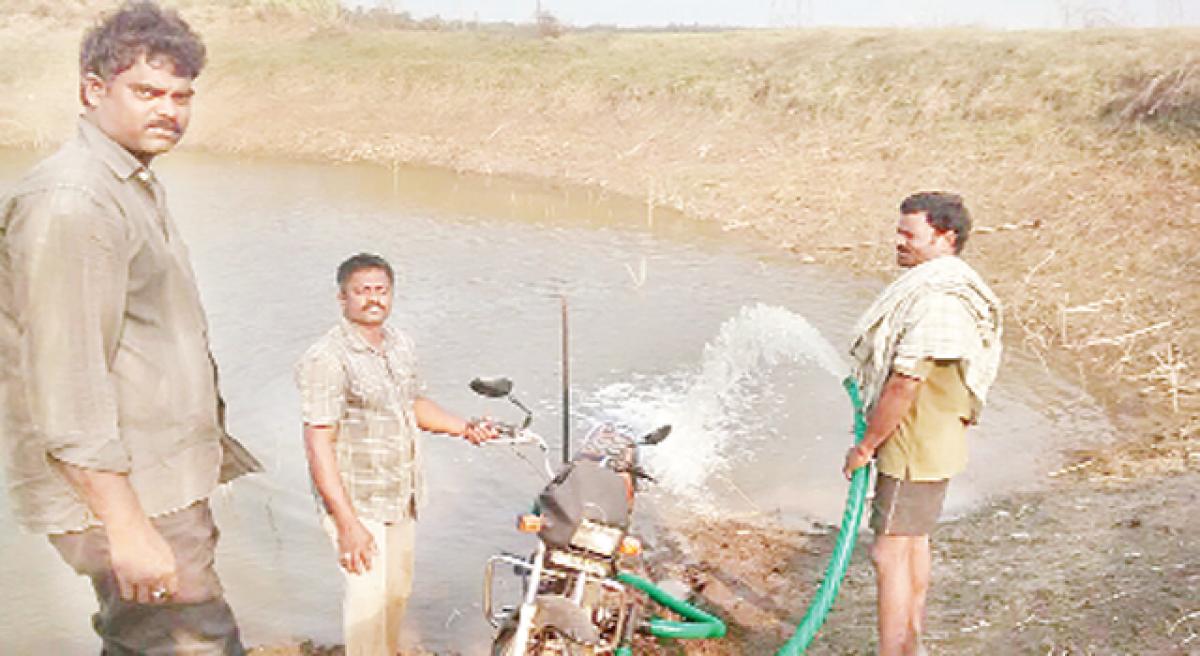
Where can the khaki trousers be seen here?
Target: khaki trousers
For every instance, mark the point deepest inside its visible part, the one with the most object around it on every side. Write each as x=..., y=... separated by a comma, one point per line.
x=374, y=602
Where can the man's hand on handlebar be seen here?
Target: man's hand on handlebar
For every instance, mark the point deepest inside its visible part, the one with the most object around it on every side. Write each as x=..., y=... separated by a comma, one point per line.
x=479, y=431
x=638, y=472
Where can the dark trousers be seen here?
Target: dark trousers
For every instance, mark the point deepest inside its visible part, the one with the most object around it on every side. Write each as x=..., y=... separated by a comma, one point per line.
x=197, y=622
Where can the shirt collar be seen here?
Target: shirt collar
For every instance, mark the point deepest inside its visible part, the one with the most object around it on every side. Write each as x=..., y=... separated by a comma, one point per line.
x=359, y=343
x=122, y=162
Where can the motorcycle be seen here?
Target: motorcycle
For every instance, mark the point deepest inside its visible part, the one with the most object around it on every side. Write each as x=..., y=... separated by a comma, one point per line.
x=580, y=596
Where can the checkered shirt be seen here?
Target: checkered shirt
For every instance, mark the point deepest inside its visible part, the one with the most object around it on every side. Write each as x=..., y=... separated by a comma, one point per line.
x=367, y=393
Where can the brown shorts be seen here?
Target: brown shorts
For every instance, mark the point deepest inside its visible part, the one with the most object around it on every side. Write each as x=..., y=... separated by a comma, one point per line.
x=904, y=507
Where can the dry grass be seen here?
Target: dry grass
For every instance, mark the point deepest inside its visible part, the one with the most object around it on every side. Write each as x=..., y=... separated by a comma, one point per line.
x=1077, y=151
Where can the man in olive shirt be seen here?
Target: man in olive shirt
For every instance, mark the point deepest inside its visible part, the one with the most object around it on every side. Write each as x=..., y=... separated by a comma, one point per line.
x=112, y=424
x=926, y=352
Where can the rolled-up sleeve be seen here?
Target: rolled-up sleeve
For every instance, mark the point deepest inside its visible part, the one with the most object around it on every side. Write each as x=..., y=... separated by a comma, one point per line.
x=322, y=383
x=69, y=283
x=938, y=327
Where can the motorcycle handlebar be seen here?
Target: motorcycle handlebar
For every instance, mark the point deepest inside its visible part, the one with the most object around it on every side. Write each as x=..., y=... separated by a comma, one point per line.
x=512, y=435
x=638, y=472
x=516, y=436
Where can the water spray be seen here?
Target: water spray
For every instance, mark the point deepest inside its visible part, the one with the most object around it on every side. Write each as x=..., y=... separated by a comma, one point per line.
x=759, y=335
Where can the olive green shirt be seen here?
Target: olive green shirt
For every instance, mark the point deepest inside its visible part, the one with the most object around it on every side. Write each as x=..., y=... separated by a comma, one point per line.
x=103, y=341
x=930, y=443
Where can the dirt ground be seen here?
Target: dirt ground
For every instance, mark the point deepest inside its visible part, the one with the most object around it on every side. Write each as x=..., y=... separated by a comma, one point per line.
x=1083, y=568
x=1077, y=151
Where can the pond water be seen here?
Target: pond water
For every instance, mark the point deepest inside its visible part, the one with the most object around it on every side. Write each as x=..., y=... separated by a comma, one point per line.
x=671, y=320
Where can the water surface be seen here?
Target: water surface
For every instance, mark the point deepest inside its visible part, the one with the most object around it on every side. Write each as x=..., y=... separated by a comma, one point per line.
x=483, y=264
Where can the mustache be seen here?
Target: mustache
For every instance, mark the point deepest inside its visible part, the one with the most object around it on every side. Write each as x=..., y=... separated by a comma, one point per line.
x=168, y=125
x=373, y=304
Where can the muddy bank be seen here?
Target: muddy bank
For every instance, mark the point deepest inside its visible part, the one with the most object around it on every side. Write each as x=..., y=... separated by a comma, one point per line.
x=1085, y=568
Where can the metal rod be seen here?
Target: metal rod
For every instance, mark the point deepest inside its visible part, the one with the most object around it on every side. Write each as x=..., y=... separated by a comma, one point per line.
x=566, y=386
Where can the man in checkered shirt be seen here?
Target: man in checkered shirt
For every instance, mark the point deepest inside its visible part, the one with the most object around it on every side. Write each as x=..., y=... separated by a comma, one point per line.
x=363, y=405
x=925, y=354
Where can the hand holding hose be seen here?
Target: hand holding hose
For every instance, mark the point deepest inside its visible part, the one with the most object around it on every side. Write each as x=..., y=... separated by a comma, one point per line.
x=857, y=456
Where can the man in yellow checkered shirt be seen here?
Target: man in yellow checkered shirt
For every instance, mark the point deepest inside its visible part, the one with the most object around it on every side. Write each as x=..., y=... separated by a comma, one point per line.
x=925, y=354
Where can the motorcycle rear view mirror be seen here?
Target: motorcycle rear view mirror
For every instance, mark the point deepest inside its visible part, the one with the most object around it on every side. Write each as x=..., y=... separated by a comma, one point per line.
x=495, y=388
x=501, y=388
x=657, y=435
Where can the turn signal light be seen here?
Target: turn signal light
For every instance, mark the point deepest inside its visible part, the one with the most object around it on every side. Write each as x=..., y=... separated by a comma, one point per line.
x=630, y=546
x=529, y=523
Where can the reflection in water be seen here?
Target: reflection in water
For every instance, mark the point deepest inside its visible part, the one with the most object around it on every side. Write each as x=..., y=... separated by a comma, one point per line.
x=482, y=263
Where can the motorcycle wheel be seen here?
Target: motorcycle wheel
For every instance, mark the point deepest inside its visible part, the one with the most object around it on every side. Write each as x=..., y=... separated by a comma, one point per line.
x=500, y=646
x=539, y=645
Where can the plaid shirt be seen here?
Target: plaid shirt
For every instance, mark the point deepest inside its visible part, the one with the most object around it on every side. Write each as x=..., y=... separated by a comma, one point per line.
x=940, y=310
x=938, y=326
x=367, y=393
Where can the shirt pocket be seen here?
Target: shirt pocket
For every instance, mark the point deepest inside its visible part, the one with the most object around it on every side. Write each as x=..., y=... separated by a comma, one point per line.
x=368, y=387
x=402, y=367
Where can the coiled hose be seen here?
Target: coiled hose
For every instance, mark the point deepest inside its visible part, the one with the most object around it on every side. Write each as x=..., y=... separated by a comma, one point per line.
x=699, y=624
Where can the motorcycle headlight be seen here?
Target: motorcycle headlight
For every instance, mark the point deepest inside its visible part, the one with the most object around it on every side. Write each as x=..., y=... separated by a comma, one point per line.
x=579, y=562
x=596, y=538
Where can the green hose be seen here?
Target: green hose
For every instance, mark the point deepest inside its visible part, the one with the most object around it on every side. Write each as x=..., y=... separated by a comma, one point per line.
x=704, y=625
x=700, y=624
x=851, y=517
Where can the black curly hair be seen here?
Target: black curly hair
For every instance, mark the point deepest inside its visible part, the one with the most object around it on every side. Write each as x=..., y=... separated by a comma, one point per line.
x=140, y=28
